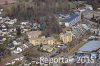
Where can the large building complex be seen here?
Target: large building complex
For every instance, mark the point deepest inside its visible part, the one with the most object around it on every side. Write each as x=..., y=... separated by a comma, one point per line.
x=35, y=38
x=34, y=34
x=44, y=40
x=92, y=48
x=70, y=19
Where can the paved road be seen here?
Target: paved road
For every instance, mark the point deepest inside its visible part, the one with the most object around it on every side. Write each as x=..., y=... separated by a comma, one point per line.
x=97, y=63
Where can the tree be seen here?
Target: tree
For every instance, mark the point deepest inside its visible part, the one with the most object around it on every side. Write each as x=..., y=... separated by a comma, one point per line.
x=18, y=31
x=66, y=65
x=31, y=53
x=42, y=26
x=41, y=45
x=82, y=16
x=52, y=25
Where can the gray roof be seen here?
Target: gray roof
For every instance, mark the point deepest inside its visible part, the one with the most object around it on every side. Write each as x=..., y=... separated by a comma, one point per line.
x=66, y=34
x=90, y=46
x=46, y=47
x=33, y=32
x=72, y=16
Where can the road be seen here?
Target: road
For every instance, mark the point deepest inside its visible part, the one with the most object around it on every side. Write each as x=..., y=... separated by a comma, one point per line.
x=96, y=63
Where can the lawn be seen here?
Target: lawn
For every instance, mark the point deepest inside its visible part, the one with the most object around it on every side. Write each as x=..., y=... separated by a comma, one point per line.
x=33, y=53
x=73, y=50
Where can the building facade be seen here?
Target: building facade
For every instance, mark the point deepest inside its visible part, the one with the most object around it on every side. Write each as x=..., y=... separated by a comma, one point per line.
x=66, y=37
x=47, y=40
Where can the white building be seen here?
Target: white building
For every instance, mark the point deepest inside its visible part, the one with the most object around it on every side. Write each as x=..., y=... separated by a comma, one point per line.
x=85, y=8
x=18, y=50
x=70, y=19
x=89, y=7
x=24, y=23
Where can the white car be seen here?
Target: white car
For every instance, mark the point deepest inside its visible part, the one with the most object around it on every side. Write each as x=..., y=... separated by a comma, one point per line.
x=60, y=45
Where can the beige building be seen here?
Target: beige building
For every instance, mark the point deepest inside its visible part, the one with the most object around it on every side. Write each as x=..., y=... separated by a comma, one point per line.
x=34, y=34
x=66, y=37
x=47, y=40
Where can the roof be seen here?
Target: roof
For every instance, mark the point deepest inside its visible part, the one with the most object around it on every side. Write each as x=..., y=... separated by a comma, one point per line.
x=71, y=17
x=1, y=37
x=46, y=47
x=34, y=32
x=47, y=38
x=90, y=46
x=85, y=26
x=88, y=23
x=66, y=34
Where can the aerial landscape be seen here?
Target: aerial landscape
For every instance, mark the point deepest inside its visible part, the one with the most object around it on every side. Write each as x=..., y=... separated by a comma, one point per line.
x=49, y=32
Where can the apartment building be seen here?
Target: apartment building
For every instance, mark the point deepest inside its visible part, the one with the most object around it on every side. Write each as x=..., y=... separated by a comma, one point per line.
x=34, y=34
x=44, y=40
x=66, y=37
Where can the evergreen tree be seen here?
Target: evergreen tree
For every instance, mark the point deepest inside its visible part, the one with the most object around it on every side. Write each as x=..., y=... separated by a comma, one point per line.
x=18, y=31
x=82, y=16
x=42, y=26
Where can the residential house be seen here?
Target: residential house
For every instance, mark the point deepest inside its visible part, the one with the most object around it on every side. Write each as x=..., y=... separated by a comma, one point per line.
x=25, y=29
x=98, y=8
x=66, y=37
x=35, y=26
x=11, y=46
x=2, y=38
x=10, y=21
x=1, y=11
x=3, y=29
x=16, y=43
x=12, y=29
x=47, y=48
x=18, y=50
x=89, y=7
x=0, y=18
x=24, y=23
x=95, y=31
x=23, y=46
x=84, y=8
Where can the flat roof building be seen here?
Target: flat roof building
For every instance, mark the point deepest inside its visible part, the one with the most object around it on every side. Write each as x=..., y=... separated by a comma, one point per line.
x=90, y=49
x=70, y=19
x=90, y=46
